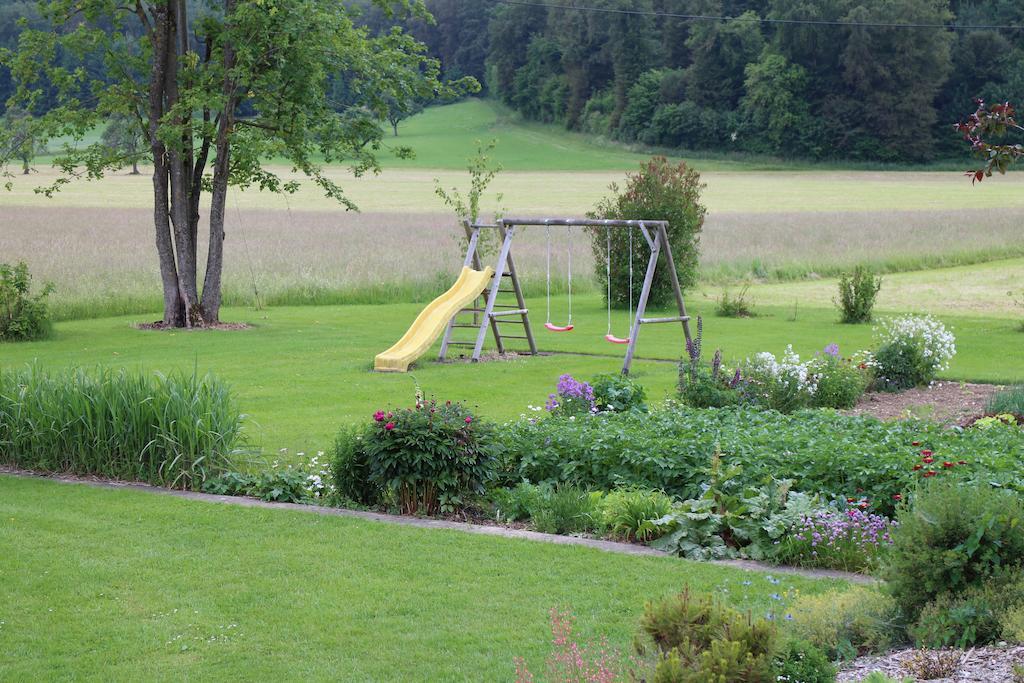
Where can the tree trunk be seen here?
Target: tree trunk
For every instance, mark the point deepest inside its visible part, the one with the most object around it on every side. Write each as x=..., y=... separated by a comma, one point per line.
x=173, y=305
x=219, y=191
x=179, y=167
x=135, y=168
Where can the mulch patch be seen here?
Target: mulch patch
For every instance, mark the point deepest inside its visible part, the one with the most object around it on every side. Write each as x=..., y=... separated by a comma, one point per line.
x=159, y=325
x=945, y=402
x=977, y=665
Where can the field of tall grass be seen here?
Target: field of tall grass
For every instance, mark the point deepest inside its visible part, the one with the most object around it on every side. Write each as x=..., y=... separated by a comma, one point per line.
x=103, y=262
x=94, y=240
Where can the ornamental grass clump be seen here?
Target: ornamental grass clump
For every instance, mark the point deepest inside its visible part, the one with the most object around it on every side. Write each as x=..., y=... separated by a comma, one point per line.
x=850, y=540
x=428, y=458
x=175, y=430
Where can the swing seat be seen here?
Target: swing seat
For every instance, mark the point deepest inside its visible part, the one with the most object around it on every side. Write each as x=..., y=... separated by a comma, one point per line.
x=616, y=340
x=555, y=328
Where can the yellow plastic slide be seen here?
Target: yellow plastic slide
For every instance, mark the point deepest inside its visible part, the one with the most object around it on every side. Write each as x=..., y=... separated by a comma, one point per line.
x=431, y=322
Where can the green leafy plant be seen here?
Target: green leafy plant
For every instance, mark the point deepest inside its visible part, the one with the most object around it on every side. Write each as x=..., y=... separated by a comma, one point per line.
x=951, y=538
x=734, y=306
x=800, y=661
x=618, y=393
x=175, y=430
x=659, y=191
x=428, y=458
x=839, y=383
x=857, y=293
x=23, y=316
x=822, y=452
x=965, y=619
x=632, y=513
x=483, y=169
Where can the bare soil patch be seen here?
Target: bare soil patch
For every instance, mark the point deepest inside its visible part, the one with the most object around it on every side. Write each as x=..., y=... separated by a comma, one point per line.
x=945, y=402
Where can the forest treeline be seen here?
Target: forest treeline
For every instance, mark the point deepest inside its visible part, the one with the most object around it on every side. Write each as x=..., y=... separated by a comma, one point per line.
x=814, y=91
x=827, y=90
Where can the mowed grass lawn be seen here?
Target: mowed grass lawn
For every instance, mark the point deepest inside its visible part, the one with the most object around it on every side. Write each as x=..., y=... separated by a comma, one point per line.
x=302, y=372
x=123, y=585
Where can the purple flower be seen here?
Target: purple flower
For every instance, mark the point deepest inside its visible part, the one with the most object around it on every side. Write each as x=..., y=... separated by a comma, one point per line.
x=832, y=350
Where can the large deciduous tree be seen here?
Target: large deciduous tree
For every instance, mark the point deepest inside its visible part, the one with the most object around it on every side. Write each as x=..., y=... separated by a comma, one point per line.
x=216, y=89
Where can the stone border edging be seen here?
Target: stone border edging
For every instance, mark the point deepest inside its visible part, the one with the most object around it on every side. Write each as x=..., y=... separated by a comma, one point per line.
x=425, y=523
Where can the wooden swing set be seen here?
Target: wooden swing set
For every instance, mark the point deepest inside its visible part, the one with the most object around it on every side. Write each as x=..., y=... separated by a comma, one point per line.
x=494, y=314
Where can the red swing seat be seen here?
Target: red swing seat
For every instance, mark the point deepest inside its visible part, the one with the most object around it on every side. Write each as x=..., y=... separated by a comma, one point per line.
x=616, y=340
x=556, y=328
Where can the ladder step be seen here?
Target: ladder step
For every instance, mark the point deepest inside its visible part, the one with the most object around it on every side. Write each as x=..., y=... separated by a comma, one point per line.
x=506, y=291
x=674, y=319
x=458, y=343
x=509, y=336
x=515, y=311
x=466, y=325
x=508, y=322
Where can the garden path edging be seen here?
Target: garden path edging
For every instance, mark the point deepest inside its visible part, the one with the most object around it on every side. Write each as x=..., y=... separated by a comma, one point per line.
x=465, y=527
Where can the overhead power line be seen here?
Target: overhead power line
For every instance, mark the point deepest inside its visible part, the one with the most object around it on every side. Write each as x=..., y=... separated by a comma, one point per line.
x=763, y=20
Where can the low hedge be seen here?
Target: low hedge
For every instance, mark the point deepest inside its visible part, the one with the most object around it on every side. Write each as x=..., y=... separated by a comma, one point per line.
x=822, y=451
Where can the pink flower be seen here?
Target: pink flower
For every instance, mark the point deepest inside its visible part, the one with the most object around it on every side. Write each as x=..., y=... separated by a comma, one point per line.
x=379, y=416
x=389, y=426
x=469, y=420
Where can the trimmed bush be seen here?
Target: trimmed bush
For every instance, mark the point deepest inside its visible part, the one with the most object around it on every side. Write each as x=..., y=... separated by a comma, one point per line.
x=659, y=191
x=172, y=430
x=802, y=662
x=23, y=317
x=953, y=537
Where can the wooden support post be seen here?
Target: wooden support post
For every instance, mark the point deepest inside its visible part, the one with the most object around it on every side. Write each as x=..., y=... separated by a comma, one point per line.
x=641, y=304
x=684, y=318
x=492, y=296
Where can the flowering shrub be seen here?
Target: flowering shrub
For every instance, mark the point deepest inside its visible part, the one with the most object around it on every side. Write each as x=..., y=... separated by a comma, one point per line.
x=572, y=398
x=850, y=539
x=572, y=662
x=784, y=384
x=426, y=458
x=911, y=351
x=848, y=623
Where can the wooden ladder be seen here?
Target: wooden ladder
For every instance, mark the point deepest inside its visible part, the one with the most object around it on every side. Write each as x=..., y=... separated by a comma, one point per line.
x=489, y=313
